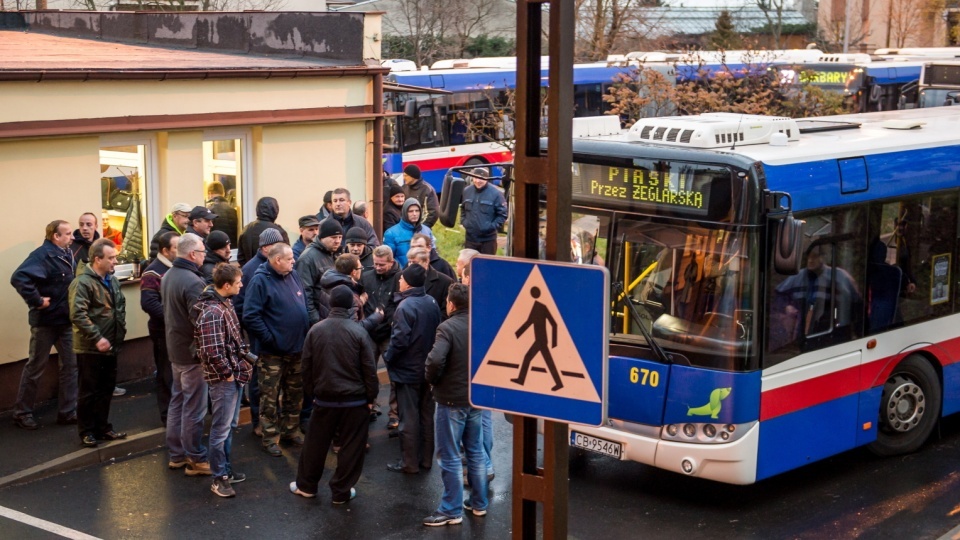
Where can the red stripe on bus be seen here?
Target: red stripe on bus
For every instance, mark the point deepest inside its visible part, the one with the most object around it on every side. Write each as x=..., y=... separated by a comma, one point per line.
x=803, y=394
x=445, y=163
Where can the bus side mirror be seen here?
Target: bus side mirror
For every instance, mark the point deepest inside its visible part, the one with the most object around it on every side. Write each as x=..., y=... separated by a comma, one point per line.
x=410, y=109
x=786, y=250
x=451, y=193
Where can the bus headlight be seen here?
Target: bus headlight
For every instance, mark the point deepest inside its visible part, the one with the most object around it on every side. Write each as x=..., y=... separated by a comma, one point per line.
x=704, y=433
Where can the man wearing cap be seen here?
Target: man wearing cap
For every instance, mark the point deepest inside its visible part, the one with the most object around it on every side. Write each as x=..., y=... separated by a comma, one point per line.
x=357, y=244
x=393, y=205
x=152, y=305
x=343, y=214
x=316, y=259
x=218, y=251
x=415, y=187
x=201, y=221
x=179, y=289
x=398, y=237
x=176, y=221
x=309, y=228
x=268, y=238
x=340, y=369
x=267, y=211
x=482, y=213
x=275, y=316
x=414, y=330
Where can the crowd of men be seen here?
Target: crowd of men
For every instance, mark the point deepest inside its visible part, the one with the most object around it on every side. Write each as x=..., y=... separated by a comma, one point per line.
x=297, y=330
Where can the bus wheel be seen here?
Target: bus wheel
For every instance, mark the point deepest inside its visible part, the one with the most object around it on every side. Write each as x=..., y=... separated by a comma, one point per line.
x=474, y=162
x=909, y=408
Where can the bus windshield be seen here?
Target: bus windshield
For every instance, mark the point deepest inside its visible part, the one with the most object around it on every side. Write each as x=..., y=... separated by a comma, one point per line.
x=693, y=289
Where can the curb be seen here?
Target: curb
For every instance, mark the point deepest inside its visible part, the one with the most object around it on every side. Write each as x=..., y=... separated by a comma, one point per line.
x=134, y=444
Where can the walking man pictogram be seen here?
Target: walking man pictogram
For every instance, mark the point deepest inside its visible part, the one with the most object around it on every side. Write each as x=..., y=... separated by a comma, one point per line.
x=539, y=316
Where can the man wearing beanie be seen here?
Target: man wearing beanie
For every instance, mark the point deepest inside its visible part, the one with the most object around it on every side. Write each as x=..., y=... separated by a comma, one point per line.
x=267, y=211
x=414, y=187
x=339, y=367
x=393, y=205
x=343, y=214
x=414, y=329
x=268, y=238
x=356, y=243
x=316, y=259
x=218, y=251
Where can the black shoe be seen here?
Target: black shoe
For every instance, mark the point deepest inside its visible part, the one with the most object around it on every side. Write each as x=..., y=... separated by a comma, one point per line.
x=398, y=467
x=393, y=433
x=89, y=441
x=273, y=449
x=26, y=422
x=67, y=420
x=437, y=519
x=112, y=436
x=296, y=440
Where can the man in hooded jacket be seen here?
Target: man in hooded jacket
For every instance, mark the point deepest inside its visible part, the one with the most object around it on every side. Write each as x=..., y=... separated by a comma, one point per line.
x=398, y=237
x=267, y=211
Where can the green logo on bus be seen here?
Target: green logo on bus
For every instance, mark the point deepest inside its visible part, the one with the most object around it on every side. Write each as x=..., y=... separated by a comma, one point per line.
x=711, y=409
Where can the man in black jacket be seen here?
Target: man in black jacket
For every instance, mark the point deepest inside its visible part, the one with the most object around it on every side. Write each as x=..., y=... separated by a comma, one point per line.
x=437, y=262
x=482, y=213
x=340, y=369
x=152, y=305
x=267, y=211
x=343, y=214
x=218, y=251
x=84, y=236
x=316, y=259
x=42, y=280
x=416, y=188
x=436, y=284
x=448, y=370
x=381, y=283
x=180, y=288
x=176, y=221
x=414, y=330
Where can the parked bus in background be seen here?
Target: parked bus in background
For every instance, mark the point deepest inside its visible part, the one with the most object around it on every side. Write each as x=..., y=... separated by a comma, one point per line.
x=784, y=289
x=462, y=116
x=939, y=86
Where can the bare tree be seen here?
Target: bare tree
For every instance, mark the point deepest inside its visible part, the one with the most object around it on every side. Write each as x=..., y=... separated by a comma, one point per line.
x=469, y=20
x=831, y=24
x=907, y=20
x=425, y=23
x=178, y=5
x=773, y=11
x=602, y=24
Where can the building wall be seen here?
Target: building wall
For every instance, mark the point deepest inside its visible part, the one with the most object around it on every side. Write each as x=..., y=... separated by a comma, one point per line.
x=926, y=29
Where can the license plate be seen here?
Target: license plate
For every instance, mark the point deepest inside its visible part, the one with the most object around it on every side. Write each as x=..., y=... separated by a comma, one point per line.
x=594, y=444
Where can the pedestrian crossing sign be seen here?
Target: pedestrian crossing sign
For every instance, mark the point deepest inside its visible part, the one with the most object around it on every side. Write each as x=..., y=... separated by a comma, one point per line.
x=538, y=338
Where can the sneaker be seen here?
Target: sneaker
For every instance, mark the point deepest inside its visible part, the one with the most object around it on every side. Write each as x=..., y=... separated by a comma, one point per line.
x=26, y=422
x=468, y=508
x=296, y=491
x=199, y=468
x=393, y=423
x=353, y=495
x=437, y=519
x=117, y=391
x=177, y=463
x=221, y=487
x=237, y=477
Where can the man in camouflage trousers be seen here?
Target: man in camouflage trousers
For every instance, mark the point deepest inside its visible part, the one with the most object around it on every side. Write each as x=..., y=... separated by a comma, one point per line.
x=275, y=317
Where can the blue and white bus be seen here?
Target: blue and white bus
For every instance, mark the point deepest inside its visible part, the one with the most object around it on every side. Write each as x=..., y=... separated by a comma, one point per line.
x=798, y=279
x=432, y=129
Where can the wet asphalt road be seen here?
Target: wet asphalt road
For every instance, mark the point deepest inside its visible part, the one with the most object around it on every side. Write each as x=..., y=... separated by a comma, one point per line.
x=855, y=495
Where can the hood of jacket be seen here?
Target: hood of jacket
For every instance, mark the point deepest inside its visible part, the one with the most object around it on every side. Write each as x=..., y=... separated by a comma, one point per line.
x=268, y=209
x=78, y=239
x=406, y=205
x=331, y=278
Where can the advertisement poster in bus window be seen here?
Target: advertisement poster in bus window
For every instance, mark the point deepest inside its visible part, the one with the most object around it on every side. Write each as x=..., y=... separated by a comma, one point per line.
x=940, y=279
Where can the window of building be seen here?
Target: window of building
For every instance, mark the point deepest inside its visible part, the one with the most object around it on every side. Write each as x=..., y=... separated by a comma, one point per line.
x=123, y=172
x=223, y=171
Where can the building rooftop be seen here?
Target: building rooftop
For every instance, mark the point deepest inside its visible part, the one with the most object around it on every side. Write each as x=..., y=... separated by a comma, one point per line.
x=667, y=21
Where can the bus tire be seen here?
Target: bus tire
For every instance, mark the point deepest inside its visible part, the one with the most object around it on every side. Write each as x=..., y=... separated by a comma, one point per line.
x=475, y=161
x=909, y=408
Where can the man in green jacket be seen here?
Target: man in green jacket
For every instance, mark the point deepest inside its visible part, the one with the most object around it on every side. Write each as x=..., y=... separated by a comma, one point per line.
x=98, y=315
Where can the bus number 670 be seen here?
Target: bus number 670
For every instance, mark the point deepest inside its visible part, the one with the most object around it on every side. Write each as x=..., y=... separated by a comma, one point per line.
x=644, y=376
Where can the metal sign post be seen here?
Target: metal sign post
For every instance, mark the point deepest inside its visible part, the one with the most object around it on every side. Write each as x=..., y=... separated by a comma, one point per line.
x=532, y=484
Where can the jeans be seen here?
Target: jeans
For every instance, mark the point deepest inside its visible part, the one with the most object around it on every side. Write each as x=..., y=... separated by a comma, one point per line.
x=98, y=376
x=225, y=398
x=455, y=425
x=188, y=406
x=487, y=419
x=41, y=339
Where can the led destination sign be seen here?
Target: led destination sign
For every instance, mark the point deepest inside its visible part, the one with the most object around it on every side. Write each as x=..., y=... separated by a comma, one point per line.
x=681, y=188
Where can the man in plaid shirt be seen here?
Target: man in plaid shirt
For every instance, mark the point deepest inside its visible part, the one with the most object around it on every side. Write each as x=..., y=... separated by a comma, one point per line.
x=221, y=350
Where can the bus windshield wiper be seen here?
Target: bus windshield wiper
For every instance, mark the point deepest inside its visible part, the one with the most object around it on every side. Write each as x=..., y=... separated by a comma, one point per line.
x=623, y=298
